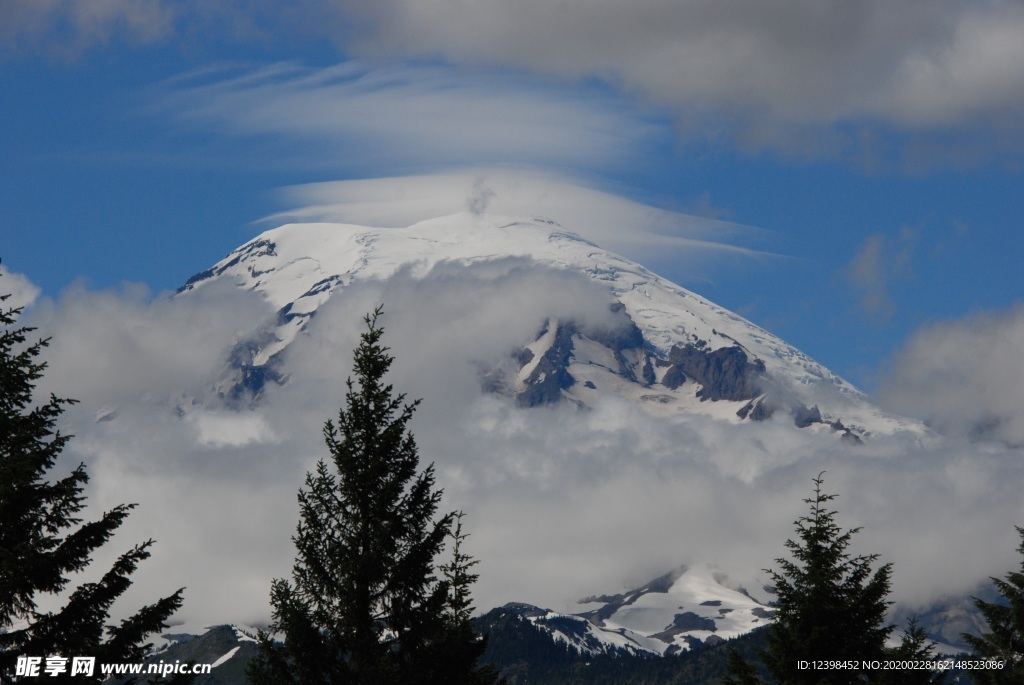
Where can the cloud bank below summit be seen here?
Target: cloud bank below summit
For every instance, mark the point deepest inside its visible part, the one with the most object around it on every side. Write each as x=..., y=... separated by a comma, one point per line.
x=560, y=504
x=964, y=377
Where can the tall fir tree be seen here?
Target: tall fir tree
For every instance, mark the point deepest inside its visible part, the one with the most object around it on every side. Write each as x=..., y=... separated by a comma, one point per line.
x=1005, y=639
x=365, y=605
x=42, y=539
x=830, y=605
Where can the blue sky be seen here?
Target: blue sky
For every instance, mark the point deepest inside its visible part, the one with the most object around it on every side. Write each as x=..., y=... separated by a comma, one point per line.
x=869, y=155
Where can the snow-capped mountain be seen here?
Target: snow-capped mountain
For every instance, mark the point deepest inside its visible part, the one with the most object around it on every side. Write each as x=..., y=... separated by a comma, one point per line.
x=681, y=610
x=663, y=347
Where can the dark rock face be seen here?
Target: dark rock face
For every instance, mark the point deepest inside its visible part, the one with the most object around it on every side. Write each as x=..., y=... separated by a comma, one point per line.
x=763, y=408
x=691, y=621
x=847, y=434
x=673, y=378
x=250, y=378
x=724, y=374
x=624, y=337
x=523, y=356
x=757, y=411
x=551, y=375
x=804, y=417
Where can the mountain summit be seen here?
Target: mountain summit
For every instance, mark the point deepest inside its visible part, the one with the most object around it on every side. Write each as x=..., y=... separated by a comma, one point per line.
x=659, y=345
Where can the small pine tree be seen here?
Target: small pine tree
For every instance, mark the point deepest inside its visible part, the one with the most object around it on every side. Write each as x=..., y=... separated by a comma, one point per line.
x=42, y=541
x=364, y=606
x=1005, y=639
x=830, y=605
x=461, y=648
x=914, y=646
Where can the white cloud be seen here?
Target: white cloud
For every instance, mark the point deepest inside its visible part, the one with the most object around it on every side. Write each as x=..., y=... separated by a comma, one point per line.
x=648, y=234
x=806, y=77
x=371, y=118
x=560, y=503
x=119, y=346
x=799, y=75
x=977, y=72
x=22, y=291
x=881, y=261
x=964, y=376
x=230, y=429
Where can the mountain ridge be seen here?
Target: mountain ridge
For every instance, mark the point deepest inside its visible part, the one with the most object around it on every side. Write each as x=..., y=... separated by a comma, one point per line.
x=668, y=348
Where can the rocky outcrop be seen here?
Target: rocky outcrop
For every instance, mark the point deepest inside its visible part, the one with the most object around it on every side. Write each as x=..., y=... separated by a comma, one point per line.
x=723, y=374
x=551, y=374
x=248, y=379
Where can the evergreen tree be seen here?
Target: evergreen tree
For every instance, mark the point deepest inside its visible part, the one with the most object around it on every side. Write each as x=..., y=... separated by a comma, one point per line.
x=830, y=605
x=914, y=646
x=1005, y=620
x=365, y=605
x=461, y=648
x=42, y=540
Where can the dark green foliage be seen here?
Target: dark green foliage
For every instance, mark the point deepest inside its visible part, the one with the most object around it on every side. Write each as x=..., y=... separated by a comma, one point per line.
x=1005, y=639
x=830, y=605
x=461, y=645
x=740, y=671
x=365, y=605
x=42, y=539
x=914, y=646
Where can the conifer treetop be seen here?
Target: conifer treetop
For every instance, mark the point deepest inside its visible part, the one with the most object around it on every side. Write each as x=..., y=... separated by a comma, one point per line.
x=43, y=538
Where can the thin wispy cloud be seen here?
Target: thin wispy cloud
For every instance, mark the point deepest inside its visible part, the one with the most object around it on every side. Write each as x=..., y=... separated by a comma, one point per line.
x=878, y=82
x=881, y=262
x=799, y=76
x=378, y=119
x=640, y=231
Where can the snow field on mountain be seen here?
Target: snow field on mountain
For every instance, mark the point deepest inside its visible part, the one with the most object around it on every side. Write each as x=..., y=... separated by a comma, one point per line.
x=297, y=267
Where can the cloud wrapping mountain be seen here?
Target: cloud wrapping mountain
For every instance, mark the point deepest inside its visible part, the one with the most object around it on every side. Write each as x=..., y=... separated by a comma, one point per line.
x=964, y=376
x=561, y=503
